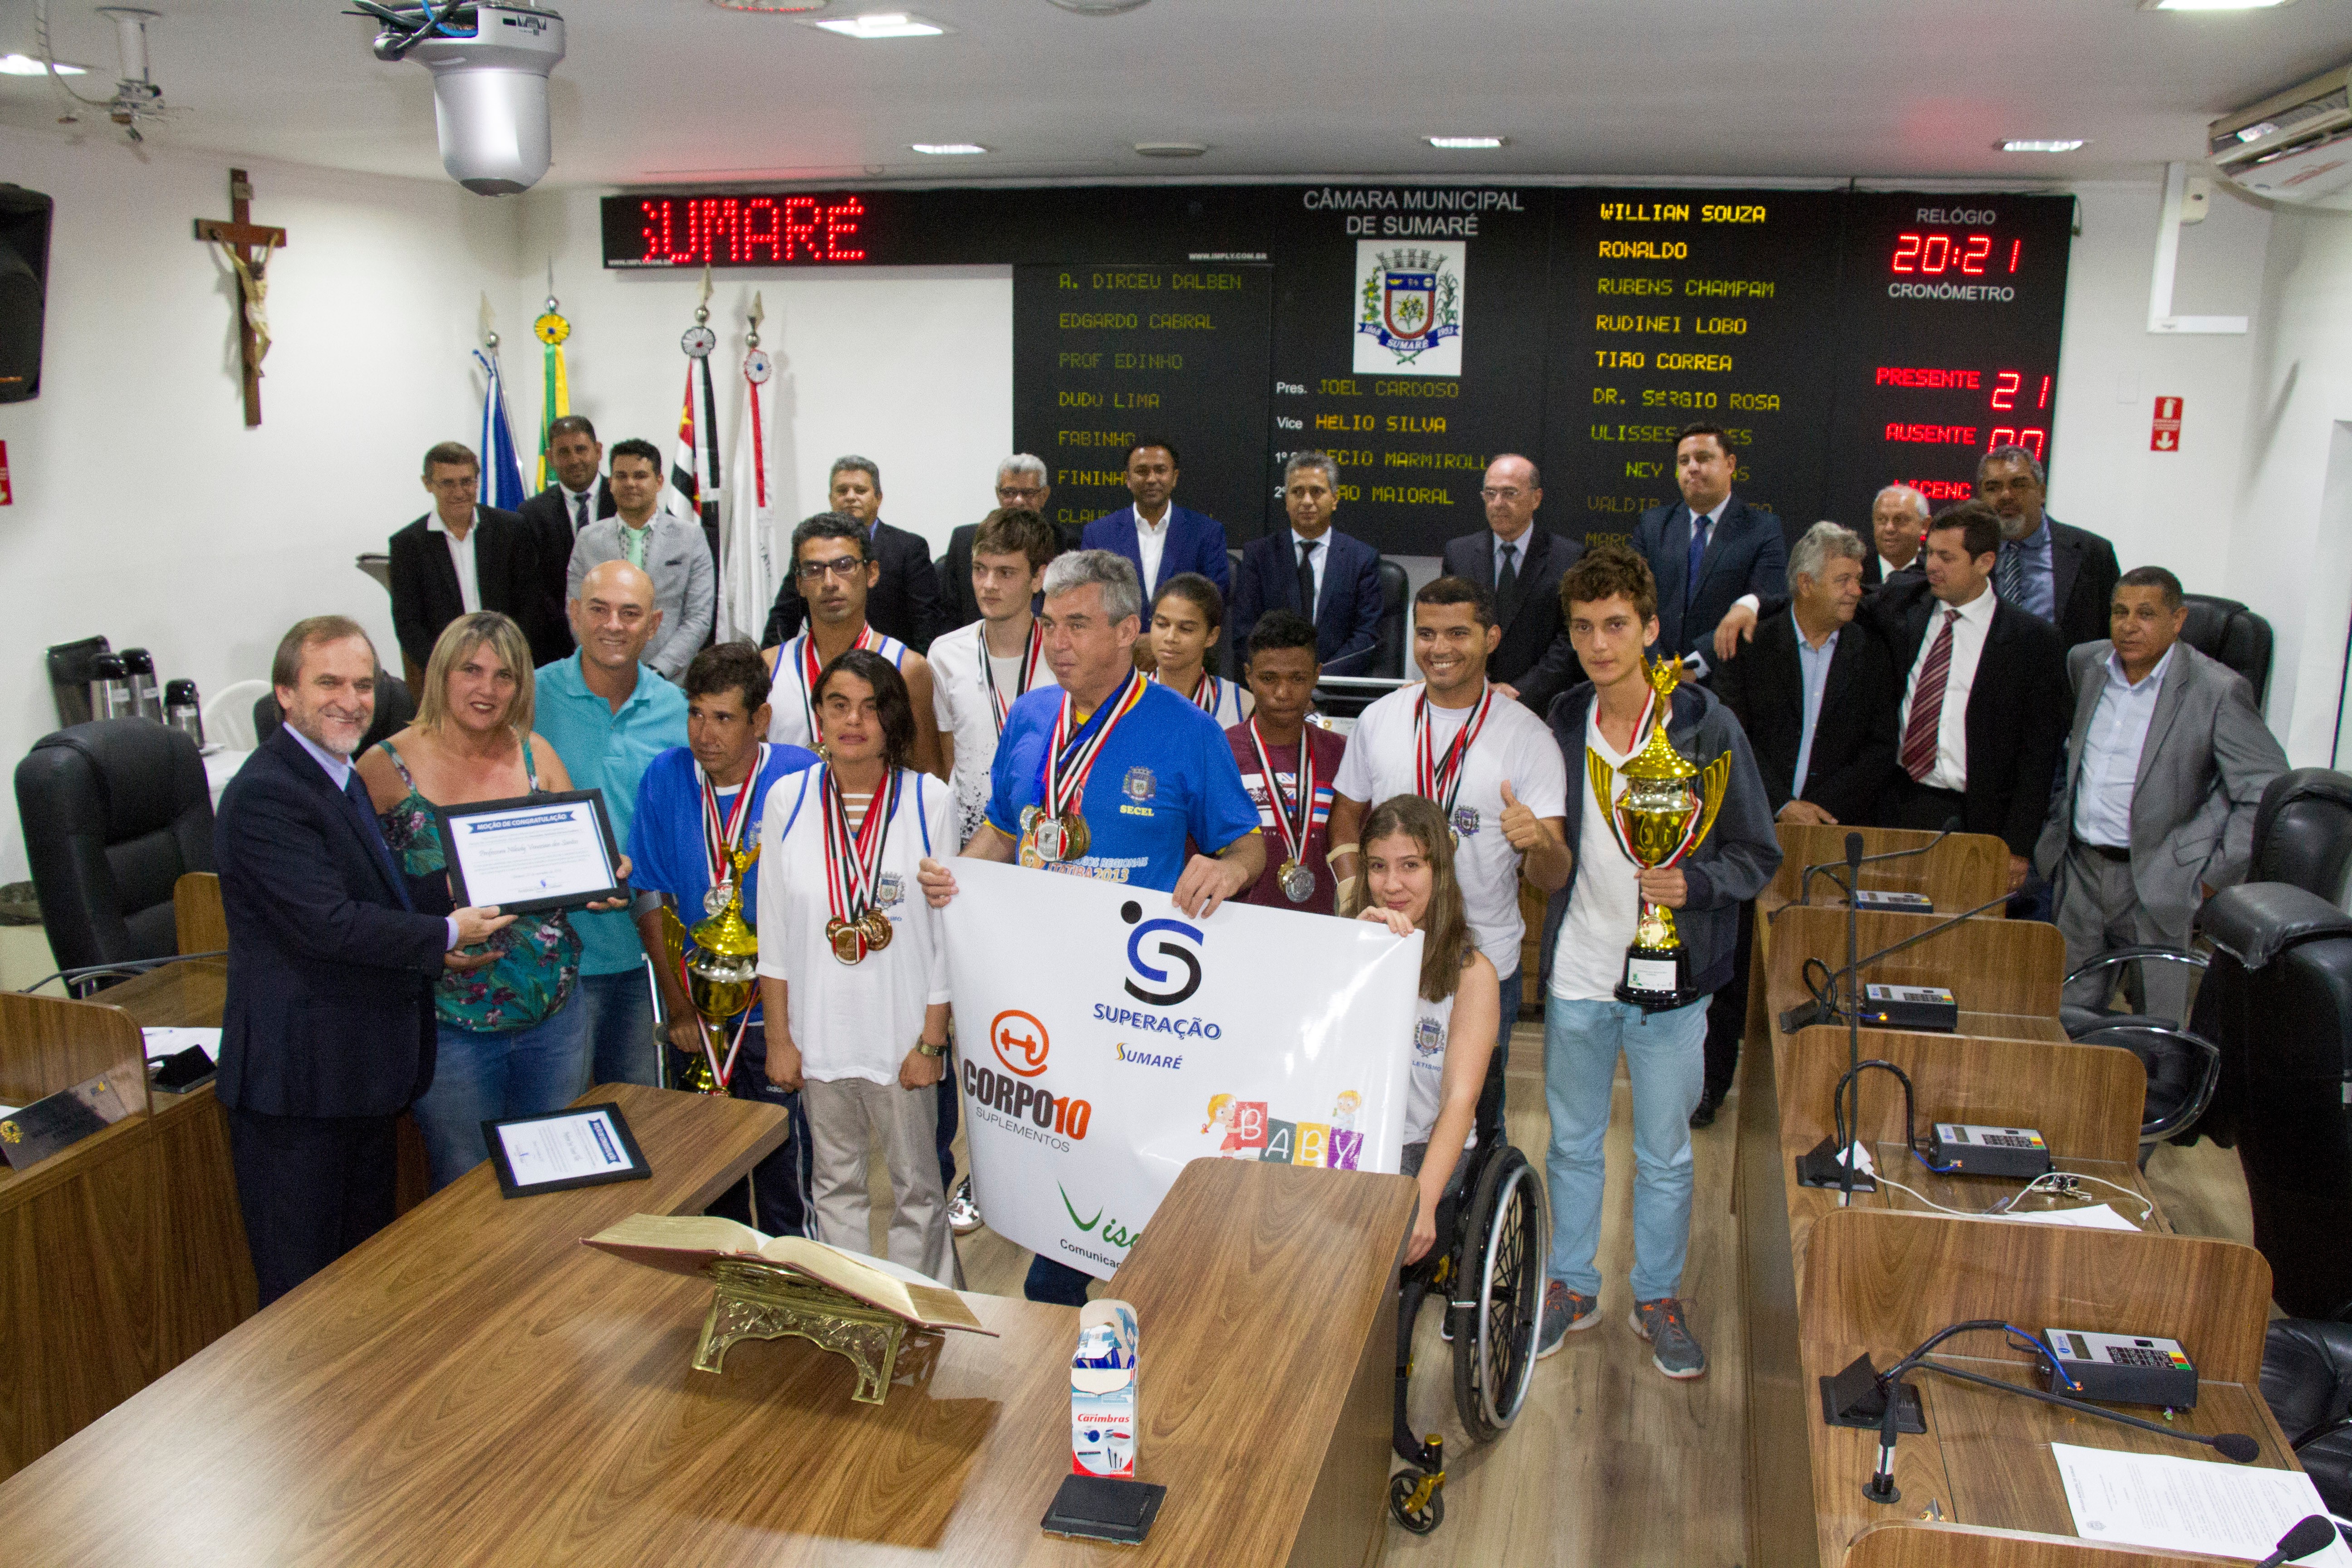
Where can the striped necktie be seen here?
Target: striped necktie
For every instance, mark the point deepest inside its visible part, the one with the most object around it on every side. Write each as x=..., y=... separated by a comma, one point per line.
x=2008, y=573
x=1928, y=705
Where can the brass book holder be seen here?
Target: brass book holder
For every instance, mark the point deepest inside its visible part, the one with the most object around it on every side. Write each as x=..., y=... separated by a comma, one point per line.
x=752, y=1301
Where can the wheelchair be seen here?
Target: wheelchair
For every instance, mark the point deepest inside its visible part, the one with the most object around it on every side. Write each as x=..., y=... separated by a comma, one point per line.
x=1494, y=1237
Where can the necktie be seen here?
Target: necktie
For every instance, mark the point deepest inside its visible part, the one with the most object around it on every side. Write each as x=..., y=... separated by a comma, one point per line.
x=1928, y=705
x=1697, y=554
x=578, y=514
x=1307, y=578
x=632, y=543
x=1507, y=583
x=2008, y=573
x=356, y=792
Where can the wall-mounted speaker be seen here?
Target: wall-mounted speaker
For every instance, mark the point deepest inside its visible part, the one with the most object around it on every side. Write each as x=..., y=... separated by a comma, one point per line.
x=23, y=289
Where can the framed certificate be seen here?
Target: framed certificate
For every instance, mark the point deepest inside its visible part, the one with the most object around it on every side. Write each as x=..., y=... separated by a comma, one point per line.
x=585, y=1146
x=533, y=853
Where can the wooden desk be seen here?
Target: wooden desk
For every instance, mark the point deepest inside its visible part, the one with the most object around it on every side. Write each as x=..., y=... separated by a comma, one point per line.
x=1952, y=1546
x=1959, y=873
x=472, y=1386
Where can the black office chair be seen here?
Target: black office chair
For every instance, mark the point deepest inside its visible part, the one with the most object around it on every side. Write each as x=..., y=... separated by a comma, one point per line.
x=394, y=709
x=2226, y=630
x=114, y=813
x=2307, y=1383
x=1388, y=650
x=2303, y=833
x=2277, y=998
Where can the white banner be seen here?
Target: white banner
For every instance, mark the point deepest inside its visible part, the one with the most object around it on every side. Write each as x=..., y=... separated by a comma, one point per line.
x=1105, y=1041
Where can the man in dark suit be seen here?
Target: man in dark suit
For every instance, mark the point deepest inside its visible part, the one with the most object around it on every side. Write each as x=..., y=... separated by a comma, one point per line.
x=904, y=601
x=1158, y=538
x=461, y=557
x=1020, y=487
x=1330, y=578
x=558, y=513
x=2065, y=576
x=327, y=1033
x=1710, y=550
x=1521, y=565
x=1816, y=694
x=1899, y=523
x=1985, y=703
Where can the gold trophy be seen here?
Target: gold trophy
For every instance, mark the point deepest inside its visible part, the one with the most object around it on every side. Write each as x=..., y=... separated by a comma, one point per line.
x=722, y=971
x=1662, y=818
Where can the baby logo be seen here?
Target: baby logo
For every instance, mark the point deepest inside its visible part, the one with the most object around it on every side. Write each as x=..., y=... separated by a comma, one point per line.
x=1019, y=1041
x=1168, y=947
x=1409, y=309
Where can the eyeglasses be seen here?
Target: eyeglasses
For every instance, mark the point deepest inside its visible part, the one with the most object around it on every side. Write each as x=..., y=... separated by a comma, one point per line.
x=1009, y=493
x=1502, y=492
x=844, y=567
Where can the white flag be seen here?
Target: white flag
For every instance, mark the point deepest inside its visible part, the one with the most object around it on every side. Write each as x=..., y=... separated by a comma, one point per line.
x=746, y=572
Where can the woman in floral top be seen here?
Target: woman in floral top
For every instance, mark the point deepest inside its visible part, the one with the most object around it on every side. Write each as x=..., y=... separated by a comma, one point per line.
x=513, y=1037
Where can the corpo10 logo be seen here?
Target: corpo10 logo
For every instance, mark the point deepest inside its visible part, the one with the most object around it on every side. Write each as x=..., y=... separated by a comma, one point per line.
x=1020, y=1045
x=1020, y=1042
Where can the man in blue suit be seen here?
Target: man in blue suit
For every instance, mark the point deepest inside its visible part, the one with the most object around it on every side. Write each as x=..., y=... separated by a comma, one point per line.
x=328, y=1030
x=1325, y=575
x=1158, y=537
x=1709, y=550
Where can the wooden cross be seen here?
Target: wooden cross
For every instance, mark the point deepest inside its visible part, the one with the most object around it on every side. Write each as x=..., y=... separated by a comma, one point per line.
x=236, y=239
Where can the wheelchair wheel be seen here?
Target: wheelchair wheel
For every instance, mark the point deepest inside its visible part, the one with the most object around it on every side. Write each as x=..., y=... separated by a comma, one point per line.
x=1505, y=1242
x=1420, y=1521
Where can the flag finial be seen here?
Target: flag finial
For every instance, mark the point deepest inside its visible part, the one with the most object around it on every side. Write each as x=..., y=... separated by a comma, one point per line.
x=702, y=308
x=758, y=315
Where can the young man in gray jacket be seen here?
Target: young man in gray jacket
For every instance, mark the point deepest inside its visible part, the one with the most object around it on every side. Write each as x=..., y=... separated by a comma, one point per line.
x=671, y=551
x=1610, y=604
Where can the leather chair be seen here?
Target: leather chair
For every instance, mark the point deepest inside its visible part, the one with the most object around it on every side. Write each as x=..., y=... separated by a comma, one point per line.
x=2277, y=999
x=114, y=813
x=2303, y=833
x=394, y=709
x=1388, y=650
x=2226, y=630
x=2307, y=1383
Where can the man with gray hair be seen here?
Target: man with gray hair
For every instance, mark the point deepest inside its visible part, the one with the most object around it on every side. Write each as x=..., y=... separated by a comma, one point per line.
x=1817, y=693
x=905, y=600
x=2065, y=576
x=1328, y=576
x=1021, y=486
x=1898, y=525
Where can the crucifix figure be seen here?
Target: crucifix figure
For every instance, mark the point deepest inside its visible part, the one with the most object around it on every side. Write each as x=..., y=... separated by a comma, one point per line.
x=237, y=239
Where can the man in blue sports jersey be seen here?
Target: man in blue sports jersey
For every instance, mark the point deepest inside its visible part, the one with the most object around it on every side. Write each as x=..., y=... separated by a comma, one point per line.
x=692, y=799
x=1108, y=776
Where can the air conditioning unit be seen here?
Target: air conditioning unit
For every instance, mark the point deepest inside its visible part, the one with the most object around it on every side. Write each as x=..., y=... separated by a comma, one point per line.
x=2294, y=146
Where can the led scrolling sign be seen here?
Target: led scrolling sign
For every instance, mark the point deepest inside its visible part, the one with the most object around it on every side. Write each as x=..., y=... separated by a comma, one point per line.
x=683, y=231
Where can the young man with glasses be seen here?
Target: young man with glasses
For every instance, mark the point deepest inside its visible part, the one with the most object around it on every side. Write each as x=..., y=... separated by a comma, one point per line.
x=1519, y=565
x=833, y=569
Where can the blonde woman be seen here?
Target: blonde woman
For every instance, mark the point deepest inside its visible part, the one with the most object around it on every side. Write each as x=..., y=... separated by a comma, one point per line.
x=513, y=1037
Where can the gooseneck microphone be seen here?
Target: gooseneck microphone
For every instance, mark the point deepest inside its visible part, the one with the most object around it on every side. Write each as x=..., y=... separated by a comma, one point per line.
x=1805, y=884
x=2314, y=1532
x=1853, y=1035
x=2232, y=1446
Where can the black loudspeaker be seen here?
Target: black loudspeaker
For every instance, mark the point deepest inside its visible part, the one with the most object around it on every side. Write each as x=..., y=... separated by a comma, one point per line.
x=23, y=289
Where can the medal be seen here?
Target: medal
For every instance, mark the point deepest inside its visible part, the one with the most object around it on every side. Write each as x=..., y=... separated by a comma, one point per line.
x=997, y=703
x=721, y=835
x=1075, y=835
x=1297, y=882
x=1439, y=778
x=1058, y=832
x=853, y=862
x=716, y=901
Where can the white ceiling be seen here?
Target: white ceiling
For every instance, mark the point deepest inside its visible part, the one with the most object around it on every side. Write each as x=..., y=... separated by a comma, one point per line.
x=680, y=90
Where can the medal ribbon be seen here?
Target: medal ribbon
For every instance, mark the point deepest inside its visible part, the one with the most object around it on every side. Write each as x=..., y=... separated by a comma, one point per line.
x=1441, y=779
x=1293, y=841
x=1070, y=758
x=811, y=669
x=853, y=861
x=1029, y=661
x=718, y=837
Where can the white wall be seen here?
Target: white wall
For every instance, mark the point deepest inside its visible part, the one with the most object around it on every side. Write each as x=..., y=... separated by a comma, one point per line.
x=145, y=509
x=910, y=366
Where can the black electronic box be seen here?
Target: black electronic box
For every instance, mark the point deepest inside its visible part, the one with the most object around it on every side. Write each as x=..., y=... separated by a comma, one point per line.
x=2121, y=1369
x=1965, y=1149
x=1910, y=1007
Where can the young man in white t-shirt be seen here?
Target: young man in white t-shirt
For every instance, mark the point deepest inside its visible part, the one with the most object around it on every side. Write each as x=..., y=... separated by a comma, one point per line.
x=1611, y=603
x=1502, y=791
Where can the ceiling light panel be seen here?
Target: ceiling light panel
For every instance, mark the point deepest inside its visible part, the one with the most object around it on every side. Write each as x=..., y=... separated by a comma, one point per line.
x=1458, y=144
x=2018, y=145
x=949, y=149
x=2212, y=5
x=25, y=65
x=877, y=25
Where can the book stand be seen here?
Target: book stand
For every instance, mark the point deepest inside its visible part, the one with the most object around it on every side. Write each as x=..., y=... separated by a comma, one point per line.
x=760, y=1301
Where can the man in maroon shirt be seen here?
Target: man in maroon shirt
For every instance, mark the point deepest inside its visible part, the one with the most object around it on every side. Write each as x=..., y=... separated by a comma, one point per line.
x=1294, y=801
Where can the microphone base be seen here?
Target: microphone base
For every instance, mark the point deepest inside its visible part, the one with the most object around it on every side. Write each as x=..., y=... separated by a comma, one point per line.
x=1819, y=1167
x=1881, y=1490
x=1853, y=1398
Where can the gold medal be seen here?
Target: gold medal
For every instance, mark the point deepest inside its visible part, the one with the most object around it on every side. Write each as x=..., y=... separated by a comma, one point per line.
x=1076, y=838
x=876, y=925
x=848, y=941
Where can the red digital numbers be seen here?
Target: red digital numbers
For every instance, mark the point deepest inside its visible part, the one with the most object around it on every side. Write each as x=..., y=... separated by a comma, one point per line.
x=1933, y=255
x=745, y=229
x=2035, y=441
x=2004, y=392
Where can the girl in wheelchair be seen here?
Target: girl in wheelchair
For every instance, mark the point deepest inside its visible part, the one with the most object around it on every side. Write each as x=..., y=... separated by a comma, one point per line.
x=1406, y=882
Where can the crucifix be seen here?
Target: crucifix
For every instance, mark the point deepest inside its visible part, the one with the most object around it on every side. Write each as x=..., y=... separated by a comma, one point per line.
x=237, y=239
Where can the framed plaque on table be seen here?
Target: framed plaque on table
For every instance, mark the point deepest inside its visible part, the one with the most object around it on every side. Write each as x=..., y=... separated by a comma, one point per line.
x=533, y=853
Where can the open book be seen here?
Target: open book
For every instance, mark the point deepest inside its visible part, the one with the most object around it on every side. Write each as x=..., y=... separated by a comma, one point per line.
x=687, y=1244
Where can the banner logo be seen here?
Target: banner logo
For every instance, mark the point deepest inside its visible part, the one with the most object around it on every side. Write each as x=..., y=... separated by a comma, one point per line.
x=1409, y=309
x=1019, y=1041
x=1168, y=947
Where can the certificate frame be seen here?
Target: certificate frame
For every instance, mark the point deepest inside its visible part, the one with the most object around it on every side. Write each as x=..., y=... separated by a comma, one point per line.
x=636, y=1171
x=451, y=818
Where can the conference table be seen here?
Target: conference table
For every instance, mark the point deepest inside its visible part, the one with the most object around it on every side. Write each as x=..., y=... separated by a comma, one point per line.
x=472, y=1386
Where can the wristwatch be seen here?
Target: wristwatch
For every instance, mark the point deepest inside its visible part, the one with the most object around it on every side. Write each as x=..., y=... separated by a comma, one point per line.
x=929, y=1049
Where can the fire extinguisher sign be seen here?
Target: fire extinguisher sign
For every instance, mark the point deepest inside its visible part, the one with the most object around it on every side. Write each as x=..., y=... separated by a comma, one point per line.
x=2164, y=436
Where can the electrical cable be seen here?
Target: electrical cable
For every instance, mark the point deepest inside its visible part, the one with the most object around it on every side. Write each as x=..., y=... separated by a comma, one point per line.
x=49, y=59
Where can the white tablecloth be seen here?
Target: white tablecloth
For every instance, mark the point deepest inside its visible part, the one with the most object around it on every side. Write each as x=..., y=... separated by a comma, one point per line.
x=219, y=768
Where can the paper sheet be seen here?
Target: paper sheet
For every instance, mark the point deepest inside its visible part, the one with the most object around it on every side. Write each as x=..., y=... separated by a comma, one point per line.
x=2186, y=1505
x=563, y=1148
x=2094, y=1216
x=171, y=1042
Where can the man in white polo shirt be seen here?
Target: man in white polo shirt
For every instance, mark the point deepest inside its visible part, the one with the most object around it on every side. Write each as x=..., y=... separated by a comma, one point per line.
x=1487, y=762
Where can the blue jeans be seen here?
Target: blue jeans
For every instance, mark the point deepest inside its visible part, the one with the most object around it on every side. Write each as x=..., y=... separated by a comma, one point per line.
x=620, y=1010
x=479, y=1077
x=1666, y=1057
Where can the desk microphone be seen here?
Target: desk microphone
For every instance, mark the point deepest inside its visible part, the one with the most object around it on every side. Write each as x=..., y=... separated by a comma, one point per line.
x=1852, y=1016
x=2312, y=1533
x=1804, y=886
x=1825, y=1006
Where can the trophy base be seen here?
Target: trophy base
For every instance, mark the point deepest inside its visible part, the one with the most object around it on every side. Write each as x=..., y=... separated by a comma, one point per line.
x=1657, y=980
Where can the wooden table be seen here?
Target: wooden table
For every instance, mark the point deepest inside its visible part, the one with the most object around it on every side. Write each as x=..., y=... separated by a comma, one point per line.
x=473, y=1386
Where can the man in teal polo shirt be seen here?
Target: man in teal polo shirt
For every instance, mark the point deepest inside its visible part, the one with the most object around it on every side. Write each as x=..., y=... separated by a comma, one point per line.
x=608, y=715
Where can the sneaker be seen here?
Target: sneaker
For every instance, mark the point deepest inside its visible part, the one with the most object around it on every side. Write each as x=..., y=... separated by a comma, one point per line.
x=1703, y=1113
x=963, y=1215
x=1675, y=1349
x=1565, y=1312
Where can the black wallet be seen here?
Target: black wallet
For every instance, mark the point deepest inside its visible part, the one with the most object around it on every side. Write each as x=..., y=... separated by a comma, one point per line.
x=1104, y=1508
x=181, y=1070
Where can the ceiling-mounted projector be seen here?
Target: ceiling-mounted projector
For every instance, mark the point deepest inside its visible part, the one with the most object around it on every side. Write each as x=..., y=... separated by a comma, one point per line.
x=490, y=66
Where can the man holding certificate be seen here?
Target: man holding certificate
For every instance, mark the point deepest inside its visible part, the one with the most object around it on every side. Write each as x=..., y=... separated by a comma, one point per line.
x=1110, y=776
